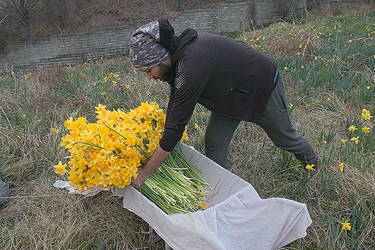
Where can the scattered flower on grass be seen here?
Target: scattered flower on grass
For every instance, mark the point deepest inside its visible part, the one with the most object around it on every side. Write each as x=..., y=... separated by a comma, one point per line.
x=26, y=76
x=196, y=126
x=344, y=140
x=366, y=115
x=310, y=167
x=341, y=166
x=55, y=130
x=185, y=136
x=352, y=128
x=355, y=140
x=365, y=129
x=345, y=226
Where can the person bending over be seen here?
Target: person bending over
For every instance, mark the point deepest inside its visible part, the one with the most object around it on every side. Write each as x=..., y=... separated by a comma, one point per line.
x=228, y=77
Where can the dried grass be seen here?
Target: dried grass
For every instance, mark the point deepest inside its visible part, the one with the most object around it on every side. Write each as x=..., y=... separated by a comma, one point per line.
x=40, y=217
x=336, y=9
x=286, y=39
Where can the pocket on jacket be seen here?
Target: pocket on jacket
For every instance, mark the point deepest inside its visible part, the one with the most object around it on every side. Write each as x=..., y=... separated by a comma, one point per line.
x=241, y=92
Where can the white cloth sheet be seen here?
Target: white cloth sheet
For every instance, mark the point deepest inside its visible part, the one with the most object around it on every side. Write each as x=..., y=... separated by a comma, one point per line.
x=236, y=217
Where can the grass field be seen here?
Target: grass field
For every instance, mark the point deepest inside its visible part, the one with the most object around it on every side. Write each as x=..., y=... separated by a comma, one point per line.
x=327, y=63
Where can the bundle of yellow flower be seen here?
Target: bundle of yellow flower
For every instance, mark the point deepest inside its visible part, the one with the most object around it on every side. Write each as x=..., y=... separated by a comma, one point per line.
x=108, y=153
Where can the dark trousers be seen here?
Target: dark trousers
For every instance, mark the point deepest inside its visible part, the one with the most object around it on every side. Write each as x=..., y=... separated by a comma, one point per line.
x=275, y=122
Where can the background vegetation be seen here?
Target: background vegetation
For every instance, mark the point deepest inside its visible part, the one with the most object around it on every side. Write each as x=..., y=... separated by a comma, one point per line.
x=327, y=62
x=28, y=20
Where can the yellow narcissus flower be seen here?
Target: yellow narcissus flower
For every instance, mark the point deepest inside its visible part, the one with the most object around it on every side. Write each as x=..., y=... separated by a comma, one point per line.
x=185, y=136
x=60, y=168
x=366, y=115
x=355, y=140
x=55, y=130
x=109, y=152
x=344, y=140
x=310, y=167
x=202, y=205
x=196, y=126
x=352, y=128
x=341, y=166
x=346, y=225
x=365, y=129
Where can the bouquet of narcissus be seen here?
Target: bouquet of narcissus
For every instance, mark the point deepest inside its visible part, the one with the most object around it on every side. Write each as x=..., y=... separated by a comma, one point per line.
x=108, y=153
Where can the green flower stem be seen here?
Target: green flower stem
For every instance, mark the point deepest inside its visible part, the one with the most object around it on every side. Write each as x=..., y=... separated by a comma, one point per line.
x=176, y=187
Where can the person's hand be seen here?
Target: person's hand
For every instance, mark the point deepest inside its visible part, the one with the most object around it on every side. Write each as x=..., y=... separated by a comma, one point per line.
x=142, y=176
x=151, y=165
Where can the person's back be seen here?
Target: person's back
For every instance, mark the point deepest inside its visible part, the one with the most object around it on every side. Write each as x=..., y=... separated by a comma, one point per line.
x=229, y=73
x=233, y=58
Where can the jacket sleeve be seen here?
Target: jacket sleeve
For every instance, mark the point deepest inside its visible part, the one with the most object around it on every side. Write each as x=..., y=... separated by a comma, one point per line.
x=191, y=77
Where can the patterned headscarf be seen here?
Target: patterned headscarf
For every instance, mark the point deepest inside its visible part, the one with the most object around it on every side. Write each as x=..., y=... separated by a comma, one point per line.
x=145, y=49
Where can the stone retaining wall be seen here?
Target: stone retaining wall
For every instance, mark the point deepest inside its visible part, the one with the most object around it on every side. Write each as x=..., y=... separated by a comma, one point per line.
x=106, y=42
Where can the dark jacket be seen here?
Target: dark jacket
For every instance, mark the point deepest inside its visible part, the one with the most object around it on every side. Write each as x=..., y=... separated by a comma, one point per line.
x=224, y=75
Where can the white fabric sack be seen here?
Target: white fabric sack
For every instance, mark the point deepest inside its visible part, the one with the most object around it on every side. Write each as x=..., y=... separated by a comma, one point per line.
x=236, y=217
x=71, y=190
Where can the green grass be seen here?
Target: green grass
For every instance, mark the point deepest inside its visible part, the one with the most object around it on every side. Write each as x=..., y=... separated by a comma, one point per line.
x=327, y=64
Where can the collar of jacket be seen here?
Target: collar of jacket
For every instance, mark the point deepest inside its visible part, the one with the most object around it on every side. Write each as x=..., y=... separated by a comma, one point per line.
x=181, y=41
x=186, y=37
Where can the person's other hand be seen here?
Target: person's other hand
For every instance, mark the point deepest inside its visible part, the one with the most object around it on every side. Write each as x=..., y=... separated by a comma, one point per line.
x=142, y=176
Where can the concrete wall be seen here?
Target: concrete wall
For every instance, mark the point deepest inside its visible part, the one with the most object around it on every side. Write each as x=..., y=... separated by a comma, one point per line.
x=268, y=11
x=106, y=42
